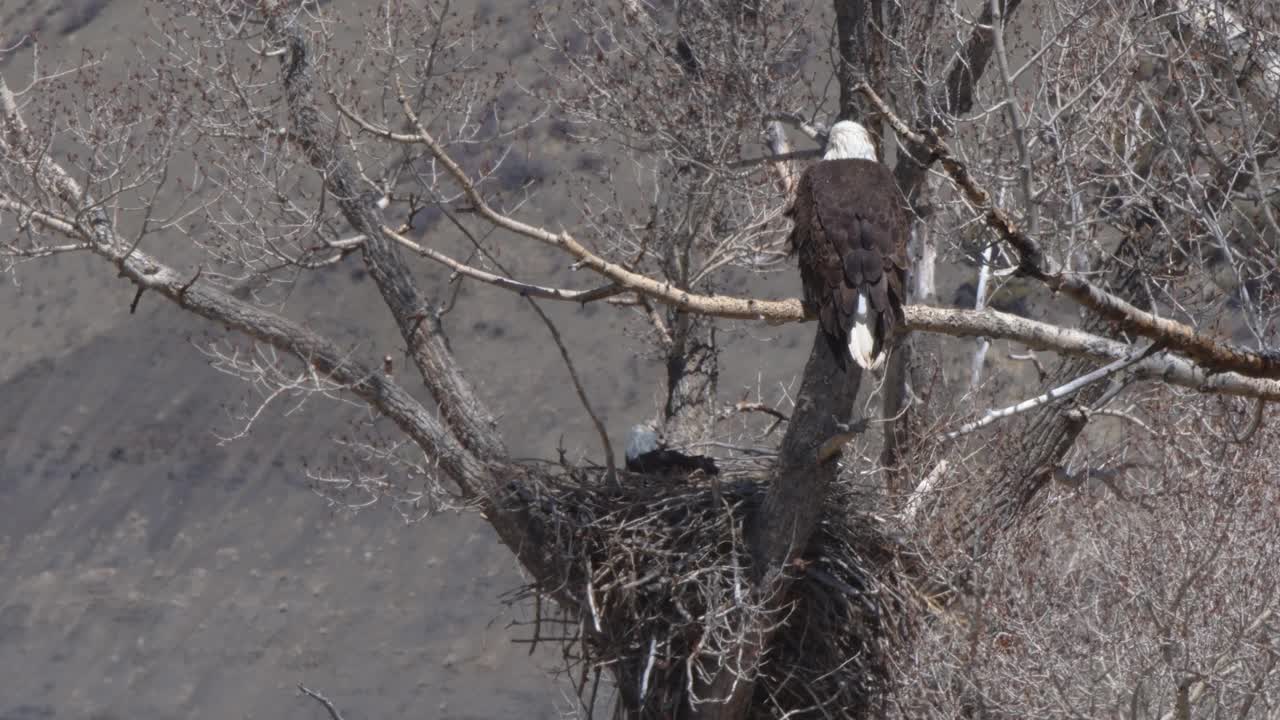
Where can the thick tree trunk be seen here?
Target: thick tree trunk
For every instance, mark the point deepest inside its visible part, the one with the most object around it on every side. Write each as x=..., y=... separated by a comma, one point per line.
x=798, y=488
x=780, y=529
x=854, y=40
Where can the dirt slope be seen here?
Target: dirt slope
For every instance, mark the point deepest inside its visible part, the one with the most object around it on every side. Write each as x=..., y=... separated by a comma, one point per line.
x=146, y=572
x=149, y=573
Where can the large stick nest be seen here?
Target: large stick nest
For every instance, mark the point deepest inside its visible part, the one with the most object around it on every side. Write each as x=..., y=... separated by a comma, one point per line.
x=656, y=591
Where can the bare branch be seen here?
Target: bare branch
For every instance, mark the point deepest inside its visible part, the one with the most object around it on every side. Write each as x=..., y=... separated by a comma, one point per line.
x=606, y=446
x=720, y=306
x=1077, y=343
x=506, y=283
x=1053, y=395
x=1207, y=351
x=468, y=418
x=1016, y=120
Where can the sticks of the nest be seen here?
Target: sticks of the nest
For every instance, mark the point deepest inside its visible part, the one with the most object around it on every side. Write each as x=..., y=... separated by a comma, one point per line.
x=591, y=600
x=688, y=622
x=648, y=668
x=916, y=500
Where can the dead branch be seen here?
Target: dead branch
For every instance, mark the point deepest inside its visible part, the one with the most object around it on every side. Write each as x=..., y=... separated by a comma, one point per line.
x=474, y=476
x=1038, y=335
x=716, y=305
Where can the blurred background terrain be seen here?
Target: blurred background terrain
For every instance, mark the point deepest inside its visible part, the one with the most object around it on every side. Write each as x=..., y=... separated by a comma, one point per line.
x=146, y=570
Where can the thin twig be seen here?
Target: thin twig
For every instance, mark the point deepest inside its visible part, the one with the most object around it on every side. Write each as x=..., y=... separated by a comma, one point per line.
x=133, y=306
x=564, y=353
x=182, y=291
x=329, y=706
x=745, y=406
x=506, y=283
x=1030, y=356
x=1016, y=121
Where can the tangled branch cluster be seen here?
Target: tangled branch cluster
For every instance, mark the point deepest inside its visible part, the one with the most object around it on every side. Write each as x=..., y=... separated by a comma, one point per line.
x=659, y=572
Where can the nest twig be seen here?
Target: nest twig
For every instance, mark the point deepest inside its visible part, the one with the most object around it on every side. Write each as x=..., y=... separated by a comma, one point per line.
x=655, y=591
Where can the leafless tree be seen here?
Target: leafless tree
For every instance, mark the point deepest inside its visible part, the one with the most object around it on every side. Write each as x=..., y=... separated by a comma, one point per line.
x=1101, y=172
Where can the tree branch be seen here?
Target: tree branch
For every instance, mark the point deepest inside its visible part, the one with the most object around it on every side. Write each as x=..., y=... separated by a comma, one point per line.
x=1212, y=354
x=956, y=96
x=506, y=283
x=606, y=446
x=467, y=417
x=1219, y=23
x=957, y=323
x=1216, y=356
x=1163, y=367
x=716, y=305
x=485, y=477
x=1052, y=395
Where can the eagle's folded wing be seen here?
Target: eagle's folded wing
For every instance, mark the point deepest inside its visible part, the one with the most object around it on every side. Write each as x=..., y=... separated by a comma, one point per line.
x=850, y=234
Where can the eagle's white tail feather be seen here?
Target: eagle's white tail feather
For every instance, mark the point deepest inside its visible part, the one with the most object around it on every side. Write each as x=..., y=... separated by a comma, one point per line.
x=862, y=341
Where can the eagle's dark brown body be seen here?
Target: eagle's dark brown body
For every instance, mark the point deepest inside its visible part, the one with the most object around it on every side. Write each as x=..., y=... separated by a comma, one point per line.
x=851, y=235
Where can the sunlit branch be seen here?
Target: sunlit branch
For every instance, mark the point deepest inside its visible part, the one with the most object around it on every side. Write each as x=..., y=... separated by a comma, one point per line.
x=545, y=292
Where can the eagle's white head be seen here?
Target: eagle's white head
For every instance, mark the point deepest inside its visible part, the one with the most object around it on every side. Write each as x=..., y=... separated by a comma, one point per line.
x=849, y=140
x=642, y=439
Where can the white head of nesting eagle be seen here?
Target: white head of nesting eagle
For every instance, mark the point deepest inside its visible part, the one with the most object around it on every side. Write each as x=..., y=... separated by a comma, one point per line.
x=647, y=453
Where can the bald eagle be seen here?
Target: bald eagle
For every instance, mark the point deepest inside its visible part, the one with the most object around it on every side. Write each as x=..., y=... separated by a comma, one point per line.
x=647, y=454
x=851, y=235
